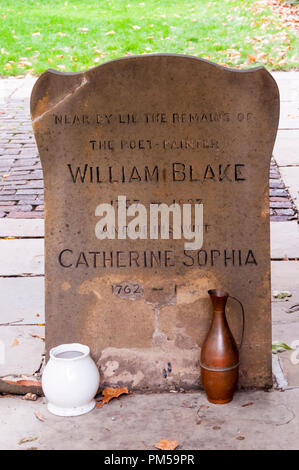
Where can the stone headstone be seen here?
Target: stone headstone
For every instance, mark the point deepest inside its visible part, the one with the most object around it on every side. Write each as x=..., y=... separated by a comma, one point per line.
x=150, y=130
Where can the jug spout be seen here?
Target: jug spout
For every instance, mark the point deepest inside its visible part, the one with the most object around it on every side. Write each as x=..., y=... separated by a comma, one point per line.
x=218, y=298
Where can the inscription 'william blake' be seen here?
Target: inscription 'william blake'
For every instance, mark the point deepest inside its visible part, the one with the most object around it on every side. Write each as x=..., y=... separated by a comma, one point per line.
x=178, y=172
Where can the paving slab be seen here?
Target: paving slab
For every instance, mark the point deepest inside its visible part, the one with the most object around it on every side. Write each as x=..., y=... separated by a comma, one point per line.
x=288, y=84
x=289, y=115
x=22, y=299
x=288, y=332
x=23, y=91
x=286, y=148
x=21, y=256
x=281, y=310
x=21, y=227
x=290, y=177
x=284, y=274
x=7, y=87
x=284, y=239
x=22, y=351
x=137, y=422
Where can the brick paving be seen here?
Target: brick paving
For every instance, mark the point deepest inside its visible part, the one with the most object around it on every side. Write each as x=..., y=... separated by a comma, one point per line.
x=281, y=205
x=21, y=178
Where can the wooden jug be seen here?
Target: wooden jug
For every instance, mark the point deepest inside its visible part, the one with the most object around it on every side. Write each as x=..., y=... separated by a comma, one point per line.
x=219, y=360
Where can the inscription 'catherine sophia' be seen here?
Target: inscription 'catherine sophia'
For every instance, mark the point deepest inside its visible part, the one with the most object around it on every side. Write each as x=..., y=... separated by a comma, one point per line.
x=178, y=172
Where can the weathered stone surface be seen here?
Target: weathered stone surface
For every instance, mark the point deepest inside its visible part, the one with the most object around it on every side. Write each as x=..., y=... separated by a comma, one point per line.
x=157, y=129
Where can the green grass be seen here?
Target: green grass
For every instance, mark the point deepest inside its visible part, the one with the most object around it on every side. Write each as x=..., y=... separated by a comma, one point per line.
x=74, y=35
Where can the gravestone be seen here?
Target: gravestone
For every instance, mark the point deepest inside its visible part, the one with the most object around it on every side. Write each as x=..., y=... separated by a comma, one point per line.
x=131, y=134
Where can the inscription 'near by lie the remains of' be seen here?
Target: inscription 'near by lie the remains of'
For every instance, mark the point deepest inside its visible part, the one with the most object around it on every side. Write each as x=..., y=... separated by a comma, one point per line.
x=106, y=119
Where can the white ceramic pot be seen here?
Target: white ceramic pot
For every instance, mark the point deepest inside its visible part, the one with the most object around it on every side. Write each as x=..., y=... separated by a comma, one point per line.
x=70, y=380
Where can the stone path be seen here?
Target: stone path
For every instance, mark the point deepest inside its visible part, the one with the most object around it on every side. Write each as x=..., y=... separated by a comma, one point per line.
x=21, y=179
x=253, y=420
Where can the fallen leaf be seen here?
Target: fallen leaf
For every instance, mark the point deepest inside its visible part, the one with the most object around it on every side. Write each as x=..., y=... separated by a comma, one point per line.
x=15, y=343
x=187, y=405
x=278, y=346
x=30, y=396
x=109, y=393
x=39, y=416
x=24, y=62
x=27, y=439
x=34, y=335
x=164, y=444
x=247, y=404
x=281, y=294
x=251, y=58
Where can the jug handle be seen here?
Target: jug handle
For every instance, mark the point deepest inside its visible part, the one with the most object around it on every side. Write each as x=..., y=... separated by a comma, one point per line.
x=243, y=318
